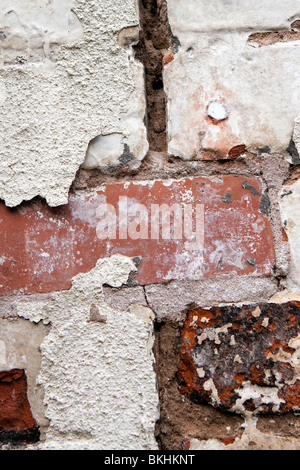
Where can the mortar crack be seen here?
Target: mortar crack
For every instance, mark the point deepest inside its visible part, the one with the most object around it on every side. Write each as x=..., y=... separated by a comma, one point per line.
x=146, y=298
x=156, y=42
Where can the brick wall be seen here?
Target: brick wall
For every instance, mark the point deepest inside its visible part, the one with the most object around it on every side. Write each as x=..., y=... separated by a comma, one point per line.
x=149, y=280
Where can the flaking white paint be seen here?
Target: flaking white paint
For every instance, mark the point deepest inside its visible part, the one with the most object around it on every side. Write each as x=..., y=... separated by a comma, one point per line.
x=251, y=439
x=20, y=342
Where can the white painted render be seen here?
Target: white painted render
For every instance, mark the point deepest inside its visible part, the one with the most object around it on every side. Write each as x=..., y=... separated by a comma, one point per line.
x=97, y=374
x=216, y=62
x=64, y=80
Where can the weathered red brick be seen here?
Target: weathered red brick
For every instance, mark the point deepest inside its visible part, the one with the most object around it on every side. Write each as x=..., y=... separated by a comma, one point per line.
x=16, y=420
x=43, y=248
x=225, y=349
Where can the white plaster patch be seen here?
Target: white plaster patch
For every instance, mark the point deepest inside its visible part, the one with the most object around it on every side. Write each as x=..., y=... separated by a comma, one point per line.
x=30, y=25
x=210, y=444
x=217, y=64
x=65, y=80
x=289, y=201
x=100, y=386
x=238, y=359
x=103, y=150
x=256, y=313
x=2, y=92
x=201, y=372
x=286, y=357
x=210, y=386
x=231, y=14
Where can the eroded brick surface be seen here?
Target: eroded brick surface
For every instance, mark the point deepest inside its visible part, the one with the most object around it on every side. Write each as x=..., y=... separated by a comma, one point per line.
x=16, y=420
x=242, y=359
x=42, y=248
x=182, y=419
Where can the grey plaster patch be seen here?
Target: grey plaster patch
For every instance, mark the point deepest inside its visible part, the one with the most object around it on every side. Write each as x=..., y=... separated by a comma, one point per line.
x=227, y=198
x=292, y=150
x=170, y=301
x=122, y=298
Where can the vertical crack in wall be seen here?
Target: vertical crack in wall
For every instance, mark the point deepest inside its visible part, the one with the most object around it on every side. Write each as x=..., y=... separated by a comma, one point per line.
x=155, y=43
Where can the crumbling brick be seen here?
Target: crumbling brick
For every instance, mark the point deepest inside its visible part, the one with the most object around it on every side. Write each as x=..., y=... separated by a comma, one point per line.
x=17, y=424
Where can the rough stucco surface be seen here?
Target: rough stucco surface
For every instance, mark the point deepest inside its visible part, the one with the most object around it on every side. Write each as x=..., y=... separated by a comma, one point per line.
x=252, y=91
x=64, y=80
x=97, y=365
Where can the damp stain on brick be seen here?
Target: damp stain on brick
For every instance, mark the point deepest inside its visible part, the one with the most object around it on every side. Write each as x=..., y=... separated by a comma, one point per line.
x=242, y=359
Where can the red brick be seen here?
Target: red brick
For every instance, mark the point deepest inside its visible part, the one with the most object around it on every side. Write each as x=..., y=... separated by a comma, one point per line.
x=42, y=248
